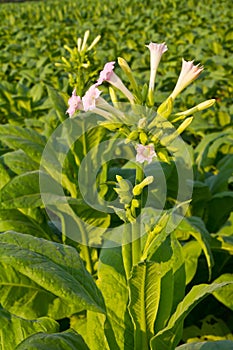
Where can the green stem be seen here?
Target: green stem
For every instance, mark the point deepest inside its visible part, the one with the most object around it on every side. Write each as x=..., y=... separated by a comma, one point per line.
x=136, y=239
x=127, y=251
x=84, y=139
x=85, y=248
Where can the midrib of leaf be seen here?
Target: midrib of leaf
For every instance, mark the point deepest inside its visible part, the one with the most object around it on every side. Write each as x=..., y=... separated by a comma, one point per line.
x=20, y=197
x=46, y=287
x=21, y=285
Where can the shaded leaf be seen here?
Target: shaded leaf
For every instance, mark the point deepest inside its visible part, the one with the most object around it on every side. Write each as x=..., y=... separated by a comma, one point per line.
x=14, y=329
x=69, y=340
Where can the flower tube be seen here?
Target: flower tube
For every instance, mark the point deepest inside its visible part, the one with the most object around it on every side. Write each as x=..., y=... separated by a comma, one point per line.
x=189, y=72
x=108, y=75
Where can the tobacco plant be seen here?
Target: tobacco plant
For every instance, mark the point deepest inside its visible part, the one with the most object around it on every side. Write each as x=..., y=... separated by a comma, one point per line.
x=107, y=219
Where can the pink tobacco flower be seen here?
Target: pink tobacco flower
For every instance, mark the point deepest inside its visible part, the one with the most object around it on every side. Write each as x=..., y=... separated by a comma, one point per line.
x=145, y=153
x=156, y=52
x=189, y=72
x=90, y=97
x=108, y=75
x=75, y=103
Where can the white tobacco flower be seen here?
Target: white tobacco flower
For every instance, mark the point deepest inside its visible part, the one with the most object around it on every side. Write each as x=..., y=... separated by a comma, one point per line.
x=156, y=52
x=189, y=72
x=145, y=153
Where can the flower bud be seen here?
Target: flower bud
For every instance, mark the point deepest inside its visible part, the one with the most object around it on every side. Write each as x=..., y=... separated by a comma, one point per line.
x=137, y=190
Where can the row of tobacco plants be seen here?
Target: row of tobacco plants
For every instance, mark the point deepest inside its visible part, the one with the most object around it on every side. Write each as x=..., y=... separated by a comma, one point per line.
x=116, y=177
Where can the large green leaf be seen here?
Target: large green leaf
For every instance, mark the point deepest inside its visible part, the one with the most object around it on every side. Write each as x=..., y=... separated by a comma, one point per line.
x=58, y=103
x=24, y=191
x=13, y=329
x=219, y=182
x=212, y=345
x=28, y=140
x=225, y=294
x=113, y=285
x=21, y=192
x=191, y=251
x=4, y=175
x=19, y=162
x=96, y=339
x=196, y=228
x=144, y=285
x=38, y=272
x=13, y=219
x=168, y=252
x=207, y=149
x=69, y=340
x=170, y=336
x=216, y=217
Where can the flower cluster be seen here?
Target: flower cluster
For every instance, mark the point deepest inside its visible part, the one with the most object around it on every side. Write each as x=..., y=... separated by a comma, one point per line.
x=92, y=101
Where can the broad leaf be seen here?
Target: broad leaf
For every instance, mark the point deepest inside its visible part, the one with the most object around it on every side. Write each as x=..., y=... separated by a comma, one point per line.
x=19, y=162
x=216, y=217
x=144, y=285
x=69, y=340
x=191, y=251
x=21, y=192
x=170, y=336
x=14, y=329
x=4, y=175
x=38, y=272
x=28, y=140
x=225, y=294
x=113, y=285
x=57, y=102
x=196, y=228
x=212, y=345
x=13, y=219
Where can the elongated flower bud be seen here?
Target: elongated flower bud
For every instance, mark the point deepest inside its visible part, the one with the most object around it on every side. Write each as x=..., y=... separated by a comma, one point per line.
x=137, y=190
x=200, y=107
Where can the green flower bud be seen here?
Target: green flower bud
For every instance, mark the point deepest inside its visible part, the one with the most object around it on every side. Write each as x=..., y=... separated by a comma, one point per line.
x=137, y=190
x=143, y=137
x=165, y=108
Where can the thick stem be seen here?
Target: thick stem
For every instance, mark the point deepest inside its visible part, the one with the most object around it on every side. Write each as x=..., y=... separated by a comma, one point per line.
x=85, y=248
x=127, y=251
